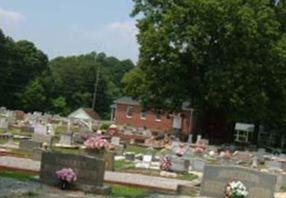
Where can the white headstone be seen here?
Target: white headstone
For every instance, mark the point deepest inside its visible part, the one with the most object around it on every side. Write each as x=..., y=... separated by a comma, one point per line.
x=115, y=141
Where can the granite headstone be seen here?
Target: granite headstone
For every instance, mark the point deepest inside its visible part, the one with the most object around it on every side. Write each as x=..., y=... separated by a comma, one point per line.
x=258, y=184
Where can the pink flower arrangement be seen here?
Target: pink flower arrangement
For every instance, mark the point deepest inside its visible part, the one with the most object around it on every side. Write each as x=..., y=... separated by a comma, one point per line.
x=199, y=149
x=97, y=143
x=67, y=175
x=165, y=163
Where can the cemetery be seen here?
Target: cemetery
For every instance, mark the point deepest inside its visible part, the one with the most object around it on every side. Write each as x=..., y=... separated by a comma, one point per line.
x=43, y=153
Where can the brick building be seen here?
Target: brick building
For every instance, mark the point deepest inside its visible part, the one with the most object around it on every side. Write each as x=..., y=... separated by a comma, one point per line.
x=126, y=111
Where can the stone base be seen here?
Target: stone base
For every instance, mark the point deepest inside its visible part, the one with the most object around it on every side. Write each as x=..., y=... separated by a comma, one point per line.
x=102, y=190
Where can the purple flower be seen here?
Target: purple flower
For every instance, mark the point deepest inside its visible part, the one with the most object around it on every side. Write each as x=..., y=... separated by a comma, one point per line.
x=66, y=174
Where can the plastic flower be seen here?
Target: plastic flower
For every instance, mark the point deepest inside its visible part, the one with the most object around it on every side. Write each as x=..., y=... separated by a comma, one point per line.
x=66, y=174
x=235, y=189
x=165, y=163
x=97, y=143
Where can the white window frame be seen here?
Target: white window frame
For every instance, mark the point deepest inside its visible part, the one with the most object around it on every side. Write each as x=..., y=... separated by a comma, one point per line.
x=158, y=119
x=129, y=111
x=143, y=117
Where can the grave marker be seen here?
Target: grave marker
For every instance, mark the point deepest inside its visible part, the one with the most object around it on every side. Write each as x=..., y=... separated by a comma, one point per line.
x=89, y=171
x=258, y=184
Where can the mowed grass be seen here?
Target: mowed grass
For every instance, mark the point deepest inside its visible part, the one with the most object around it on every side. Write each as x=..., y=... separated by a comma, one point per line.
x=17, y=175
x=128, y=192
x=122, y=164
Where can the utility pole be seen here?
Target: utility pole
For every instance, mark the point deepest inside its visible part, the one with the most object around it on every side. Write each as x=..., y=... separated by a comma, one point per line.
x=95, y=86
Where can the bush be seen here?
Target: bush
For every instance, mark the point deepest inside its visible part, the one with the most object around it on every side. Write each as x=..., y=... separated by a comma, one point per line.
x=104, y=126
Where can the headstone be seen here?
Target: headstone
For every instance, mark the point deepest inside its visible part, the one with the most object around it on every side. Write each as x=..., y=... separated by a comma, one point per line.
x=109, y=160
x=115, y=141
x=147, y=133
x=130, y=156
x=89, y=171
x=3, y=123
x=37, y=154
x=180, y=164
x=274, y=165
x=29, y=145
x=258, y=184
x=145, y=163
x=190, y=138
x=199, y=137
x=42, y=138
x=198, y=164
x=66, y=139
x=119, y=149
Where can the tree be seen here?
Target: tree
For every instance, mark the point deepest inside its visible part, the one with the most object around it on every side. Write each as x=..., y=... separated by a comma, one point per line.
x=224, y=56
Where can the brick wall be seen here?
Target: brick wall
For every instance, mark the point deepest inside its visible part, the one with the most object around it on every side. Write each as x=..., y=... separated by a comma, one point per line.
x=150, y=121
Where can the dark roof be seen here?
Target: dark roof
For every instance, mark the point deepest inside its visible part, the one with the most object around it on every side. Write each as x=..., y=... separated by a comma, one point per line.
x=126, y=100
x=91, y=113
x=186, y=106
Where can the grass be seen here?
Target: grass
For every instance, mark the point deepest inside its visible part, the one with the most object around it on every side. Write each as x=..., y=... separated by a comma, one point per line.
x=128, y=192
x=283, y=189
x=17, y=175
x=188, y=176
x=135, y=149
x=122, y=164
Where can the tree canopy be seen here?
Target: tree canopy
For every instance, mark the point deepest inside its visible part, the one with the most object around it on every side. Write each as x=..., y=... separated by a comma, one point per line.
x=222, y=55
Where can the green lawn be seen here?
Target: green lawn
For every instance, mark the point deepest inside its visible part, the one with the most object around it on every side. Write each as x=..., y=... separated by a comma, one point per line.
x=17, y=175
x=128, y=192
x=122, y=164
x=135, y=149
x=188, y=176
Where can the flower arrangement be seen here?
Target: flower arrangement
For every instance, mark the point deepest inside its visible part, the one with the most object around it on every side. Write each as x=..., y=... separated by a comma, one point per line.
x=66, y=176
x=165, y=163
x=112, y=130
x=96, y=143
x=199, y=150
x=235, y=189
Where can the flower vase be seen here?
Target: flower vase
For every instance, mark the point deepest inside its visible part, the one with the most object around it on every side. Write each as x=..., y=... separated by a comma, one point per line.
x=64, y=185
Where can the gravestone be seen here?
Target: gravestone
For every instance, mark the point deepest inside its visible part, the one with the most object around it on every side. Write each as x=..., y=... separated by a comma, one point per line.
x=179, y=164
x=119, y=148
x=130, y=156
x=198, y=164
x=29, y=145
x=199, y=137
x=274, y=165
x=3, y=123
x=66, y=139
x=190, y=138
x=145, y=163
x=108, y=157
x=42, y=138
x=37, y=154
x=89, y=171
x=258, y=184
x=115, y=141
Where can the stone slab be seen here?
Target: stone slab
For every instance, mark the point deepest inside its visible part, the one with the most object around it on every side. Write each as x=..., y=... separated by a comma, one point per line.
x=258, y=184
x=29, y=145
x=89, y=170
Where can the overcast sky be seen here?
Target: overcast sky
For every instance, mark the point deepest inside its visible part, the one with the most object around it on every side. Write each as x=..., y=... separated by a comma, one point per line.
x=70, y=27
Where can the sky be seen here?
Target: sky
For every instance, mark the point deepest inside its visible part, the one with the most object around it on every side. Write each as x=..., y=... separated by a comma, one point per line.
x=71, y=27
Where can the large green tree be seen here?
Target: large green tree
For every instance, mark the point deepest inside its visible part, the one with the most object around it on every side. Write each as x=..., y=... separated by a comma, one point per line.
x=20, y=62
x=225, y=56
x=69, y=83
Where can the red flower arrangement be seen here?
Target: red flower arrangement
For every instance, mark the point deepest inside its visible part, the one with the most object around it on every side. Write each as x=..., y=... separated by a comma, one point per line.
x=96, y=143
x=165, y=163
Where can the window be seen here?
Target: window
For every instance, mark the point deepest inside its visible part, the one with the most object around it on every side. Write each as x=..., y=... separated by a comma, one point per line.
x=158, y=117
x=129, y=112
x=143, y=115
